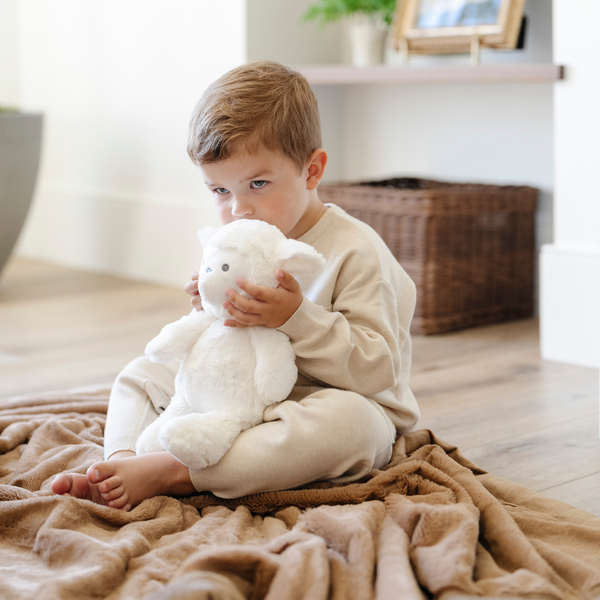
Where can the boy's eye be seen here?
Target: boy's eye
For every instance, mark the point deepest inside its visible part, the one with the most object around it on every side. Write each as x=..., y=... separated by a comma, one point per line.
x=222, y=190
x=259, y=183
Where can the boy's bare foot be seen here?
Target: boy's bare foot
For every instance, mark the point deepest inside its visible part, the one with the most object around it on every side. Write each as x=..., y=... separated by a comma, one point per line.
x=124, y=482
x=78, y=486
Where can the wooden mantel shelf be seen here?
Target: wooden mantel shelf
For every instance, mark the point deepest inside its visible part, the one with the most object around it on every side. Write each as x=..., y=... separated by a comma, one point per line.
x=499, y=73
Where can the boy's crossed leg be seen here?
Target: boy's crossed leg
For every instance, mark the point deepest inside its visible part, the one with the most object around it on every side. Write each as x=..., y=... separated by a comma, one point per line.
x=331, y=434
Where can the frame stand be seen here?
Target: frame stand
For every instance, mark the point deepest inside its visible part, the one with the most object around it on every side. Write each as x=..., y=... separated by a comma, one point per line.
x=403, y=47
x=475, y=47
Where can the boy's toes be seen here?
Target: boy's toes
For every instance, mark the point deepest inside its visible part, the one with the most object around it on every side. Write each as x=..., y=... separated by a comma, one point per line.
x=114, y=493
x=101, y=471
x=73, y=484
x=62, y=483
x=110, y=484
x=121, y=502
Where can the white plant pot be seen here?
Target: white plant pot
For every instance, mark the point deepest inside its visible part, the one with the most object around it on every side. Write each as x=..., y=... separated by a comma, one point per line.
x=367, y=43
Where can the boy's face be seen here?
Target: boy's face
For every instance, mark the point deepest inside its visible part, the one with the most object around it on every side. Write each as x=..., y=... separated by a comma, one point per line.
x=267, y=186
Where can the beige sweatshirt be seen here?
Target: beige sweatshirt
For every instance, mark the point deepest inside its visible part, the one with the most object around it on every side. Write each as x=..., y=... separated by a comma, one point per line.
x=352, y=329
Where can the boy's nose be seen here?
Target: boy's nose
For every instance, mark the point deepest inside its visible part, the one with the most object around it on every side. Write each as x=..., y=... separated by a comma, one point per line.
x=241, y=208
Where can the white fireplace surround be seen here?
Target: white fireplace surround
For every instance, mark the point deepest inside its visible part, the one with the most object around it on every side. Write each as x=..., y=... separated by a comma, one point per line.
x=570, y=266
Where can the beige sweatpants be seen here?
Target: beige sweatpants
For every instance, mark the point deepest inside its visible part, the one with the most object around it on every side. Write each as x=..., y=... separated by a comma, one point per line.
x=317, y=434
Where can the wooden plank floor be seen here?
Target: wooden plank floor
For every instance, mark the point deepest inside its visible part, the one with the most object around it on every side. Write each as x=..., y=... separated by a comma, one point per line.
x=485, y=390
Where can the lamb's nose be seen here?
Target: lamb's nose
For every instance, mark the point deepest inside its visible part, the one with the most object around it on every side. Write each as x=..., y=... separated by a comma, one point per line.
x=209, y=270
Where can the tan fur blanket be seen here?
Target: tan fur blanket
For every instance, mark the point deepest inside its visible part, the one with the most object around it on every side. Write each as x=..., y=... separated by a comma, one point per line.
x=432, y=524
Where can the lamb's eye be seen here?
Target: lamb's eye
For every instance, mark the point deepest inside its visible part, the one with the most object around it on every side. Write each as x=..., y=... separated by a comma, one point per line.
x=209, y=270
x=225, y=267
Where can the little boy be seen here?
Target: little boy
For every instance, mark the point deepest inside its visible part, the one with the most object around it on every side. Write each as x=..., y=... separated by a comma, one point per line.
x=255, y=136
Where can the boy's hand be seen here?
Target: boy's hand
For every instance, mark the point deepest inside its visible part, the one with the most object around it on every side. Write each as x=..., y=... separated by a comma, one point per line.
x=270, y=307
x=191, y=288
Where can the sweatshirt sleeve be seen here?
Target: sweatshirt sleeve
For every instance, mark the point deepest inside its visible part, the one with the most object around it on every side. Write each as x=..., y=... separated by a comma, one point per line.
x=356, y=344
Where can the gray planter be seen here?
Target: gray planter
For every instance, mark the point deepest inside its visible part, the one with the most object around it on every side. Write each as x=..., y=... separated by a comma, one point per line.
x=20, y=139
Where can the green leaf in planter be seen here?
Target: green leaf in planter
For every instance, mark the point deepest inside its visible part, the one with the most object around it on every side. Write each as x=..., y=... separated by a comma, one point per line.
x=328, y=11
x=7, y=109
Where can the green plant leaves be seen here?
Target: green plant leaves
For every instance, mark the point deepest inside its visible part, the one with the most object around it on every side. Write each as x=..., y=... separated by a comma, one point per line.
x=327, y=11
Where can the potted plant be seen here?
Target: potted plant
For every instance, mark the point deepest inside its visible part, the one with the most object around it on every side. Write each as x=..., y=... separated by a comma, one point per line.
x=20, y=140
x=369, y=25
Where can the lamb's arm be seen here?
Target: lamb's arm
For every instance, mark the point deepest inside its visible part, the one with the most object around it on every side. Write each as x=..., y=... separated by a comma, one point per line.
x=178, y=337
x=276, y=372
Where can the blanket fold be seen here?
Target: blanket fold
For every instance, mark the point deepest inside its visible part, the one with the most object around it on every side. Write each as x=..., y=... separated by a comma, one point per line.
x=431, y=524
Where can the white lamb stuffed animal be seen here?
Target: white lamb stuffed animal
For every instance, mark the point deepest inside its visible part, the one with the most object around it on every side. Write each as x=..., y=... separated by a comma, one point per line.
x=229, y=375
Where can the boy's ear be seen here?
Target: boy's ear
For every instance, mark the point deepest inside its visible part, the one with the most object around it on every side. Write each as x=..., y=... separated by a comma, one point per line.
x=316, y=168
x=205, y=234
x=301, y=261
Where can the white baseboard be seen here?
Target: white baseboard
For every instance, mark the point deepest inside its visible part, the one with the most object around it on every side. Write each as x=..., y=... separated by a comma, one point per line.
x=149, y=239
x=570, y=305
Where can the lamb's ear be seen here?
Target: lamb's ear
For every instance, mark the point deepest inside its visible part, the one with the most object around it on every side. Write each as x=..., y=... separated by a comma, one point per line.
x=206, y=233
x=301, y=261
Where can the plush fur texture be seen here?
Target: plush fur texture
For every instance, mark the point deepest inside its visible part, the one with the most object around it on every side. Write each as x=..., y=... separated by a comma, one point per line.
x=228, y=375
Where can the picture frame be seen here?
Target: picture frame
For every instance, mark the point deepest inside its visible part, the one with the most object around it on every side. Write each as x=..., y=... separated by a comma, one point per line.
x=456, y=26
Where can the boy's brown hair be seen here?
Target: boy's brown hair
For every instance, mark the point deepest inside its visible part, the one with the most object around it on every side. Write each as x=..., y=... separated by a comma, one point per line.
x=259, y=104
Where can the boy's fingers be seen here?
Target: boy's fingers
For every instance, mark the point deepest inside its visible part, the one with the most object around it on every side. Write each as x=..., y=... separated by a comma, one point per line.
x=245, y=304
x=240, y=316
x=256, y=291
x=191, y=287
x=287, y=281
x=195, y=276
x=234, y=323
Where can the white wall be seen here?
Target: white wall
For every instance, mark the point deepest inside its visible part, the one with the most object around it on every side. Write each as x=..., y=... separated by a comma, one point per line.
x=9, y=92
x=274, y=31
x=570, y=292
x=117, y=82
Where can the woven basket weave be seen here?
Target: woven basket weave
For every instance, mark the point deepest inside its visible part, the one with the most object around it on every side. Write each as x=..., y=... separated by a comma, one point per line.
x=469, y=248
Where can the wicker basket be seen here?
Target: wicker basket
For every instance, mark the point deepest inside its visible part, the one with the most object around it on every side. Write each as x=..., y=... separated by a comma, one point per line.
x=469, y=248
